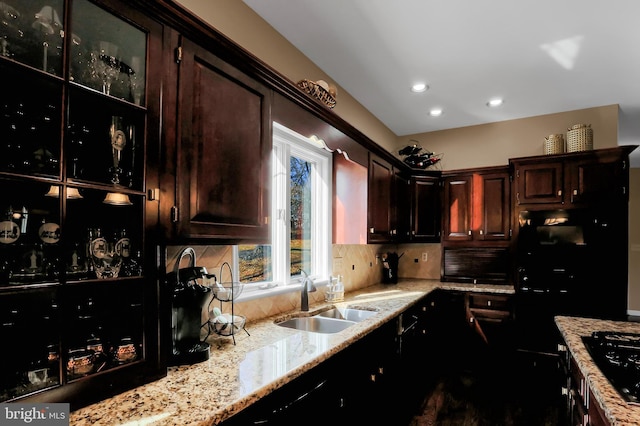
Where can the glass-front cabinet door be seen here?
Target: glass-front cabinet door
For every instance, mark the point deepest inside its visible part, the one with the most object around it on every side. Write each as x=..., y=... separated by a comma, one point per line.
x=74, y=290
x=33, y=32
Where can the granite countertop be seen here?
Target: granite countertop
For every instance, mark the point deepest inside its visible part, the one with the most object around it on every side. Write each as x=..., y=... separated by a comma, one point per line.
x=236, y=376
x=616, y=409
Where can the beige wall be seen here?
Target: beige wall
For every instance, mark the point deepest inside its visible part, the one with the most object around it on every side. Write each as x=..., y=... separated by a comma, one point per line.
x=634, y=242
x=241, y=24
x=494, y=143
x=473, y=146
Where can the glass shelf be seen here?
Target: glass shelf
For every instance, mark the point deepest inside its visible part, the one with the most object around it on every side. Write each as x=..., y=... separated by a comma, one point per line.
x=112, y=55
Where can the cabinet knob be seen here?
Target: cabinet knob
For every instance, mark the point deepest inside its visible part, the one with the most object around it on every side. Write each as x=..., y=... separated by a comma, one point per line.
x=469, y=231
x=481, y=232
x=575, y=192
x=488, y=302
x=372, y=230
x=559, y=192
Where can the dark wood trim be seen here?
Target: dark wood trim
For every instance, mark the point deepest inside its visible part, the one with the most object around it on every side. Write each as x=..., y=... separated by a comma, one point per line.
x=189, y=25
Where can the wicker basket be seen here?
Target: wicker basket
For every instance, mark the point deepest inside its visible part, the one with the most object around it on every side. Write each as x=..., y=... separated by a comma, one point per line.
x=554, y=144
x=580, y=138
x=313, y=89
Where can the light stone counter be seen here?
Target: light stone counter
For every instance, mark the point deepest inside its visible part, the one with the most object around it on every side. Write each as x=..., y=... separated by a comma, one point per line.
x=236, y=376
x=616, y=409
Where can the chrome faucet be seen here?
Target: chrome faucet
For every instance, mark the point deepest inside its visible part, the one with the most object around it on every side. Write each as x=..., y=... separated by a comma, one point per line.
x=307, y=287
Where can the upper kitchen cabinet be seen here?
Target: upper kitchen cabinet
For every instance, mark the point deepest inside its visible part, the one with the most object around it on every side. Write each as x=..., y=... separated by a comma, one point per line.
x=457, y=207
x=426, y=206
x=389, y=202
x=379, y=200
x=218, y=135
x=477, y=205
x=572, y=180
x=401, y=200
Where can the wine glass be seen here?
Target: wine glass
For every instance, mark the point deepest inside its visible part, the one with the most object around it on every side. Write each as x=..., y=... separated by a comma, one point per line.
x=106, y=66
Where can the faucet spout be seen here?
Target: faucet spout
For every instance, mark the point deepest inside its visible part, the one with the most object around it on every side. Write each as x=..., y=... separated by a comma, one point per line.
x=307, y=287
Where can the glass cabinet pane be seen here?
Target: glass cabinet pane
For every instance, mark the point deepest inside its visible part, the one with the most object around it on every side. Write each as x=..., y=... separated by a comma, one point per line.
x=29, y=324
x=30, y=126
x=105, y=328
x=106, y=235
x=32, y=32
x=111, y=56
x=30, y=233
x=104, y=141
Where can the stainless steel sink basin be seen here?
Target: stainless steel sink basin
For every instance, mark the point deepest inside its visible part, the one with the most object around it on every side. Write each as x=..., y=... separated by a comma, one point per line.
x=348, y=314
x=316, y=324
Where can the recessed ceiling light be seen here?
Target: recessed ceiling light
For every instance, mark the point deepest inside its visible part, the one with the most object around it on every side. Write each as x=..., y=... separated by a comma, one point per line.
x=419, y=88
x=495, y=102
x=435, y=112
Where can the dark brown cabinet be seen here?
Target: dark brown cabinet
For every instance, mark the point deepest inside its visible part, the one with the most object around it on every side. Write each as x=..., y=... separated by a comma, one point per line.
x=77, y=265
x=476, y=225
x=222, y=146
x=477, y=205
x=491, y=317
x=582, y=407
x=457, y=208
x=576, y=179
x=401, y=206
x=379, y=212
x=426, y=205
x=389, y=202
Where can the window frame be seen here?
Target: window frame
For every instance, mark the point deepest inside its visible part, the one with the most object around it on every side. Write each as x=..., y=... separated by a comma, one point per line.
x=287, y=143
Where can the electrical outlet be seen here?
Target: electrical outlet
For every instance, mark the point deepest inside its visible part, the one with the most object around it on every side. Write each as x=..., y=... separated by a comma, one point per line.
x=425, y=257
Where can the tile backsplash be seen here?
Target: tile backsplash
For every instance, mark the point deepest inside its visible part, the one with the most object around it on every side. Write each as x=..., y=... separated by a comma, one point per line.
x=359, y=264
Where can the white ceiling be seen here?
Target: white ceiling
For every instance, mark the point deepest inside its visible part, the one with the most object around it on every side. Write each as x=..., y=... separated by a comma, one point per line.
x=542, y=56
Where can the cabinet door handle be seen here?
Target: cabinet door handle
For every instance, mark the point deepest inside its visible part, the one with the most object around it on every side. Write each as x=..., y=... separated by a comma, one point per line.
x=488, y=302
x=481, y=232
x=372, y=230
x=559, y=192
x=469, y=232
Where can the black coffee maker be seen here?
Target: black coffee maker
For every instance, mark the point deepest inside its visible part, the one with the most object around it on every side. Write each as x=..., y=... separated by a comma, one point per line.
x=188, y=300
x=390, y=267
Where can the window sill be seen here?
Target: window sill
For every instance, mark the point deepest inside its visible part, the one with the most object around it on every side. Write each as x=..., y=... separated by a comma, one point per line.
x=260, y=293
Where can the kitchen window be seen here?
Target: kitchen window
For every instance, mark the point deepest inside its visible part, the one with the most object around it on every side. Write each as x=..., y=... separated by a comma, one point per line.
x=301, y=217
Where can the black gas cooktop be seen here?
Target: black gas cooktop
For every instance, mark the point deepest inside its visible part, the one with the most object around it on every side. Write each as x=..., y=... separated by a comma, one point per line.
x=617, y=355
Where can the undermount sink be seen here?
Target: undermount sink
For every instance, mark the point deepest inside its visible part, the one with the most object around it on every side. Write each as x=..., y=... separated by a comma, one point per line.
x=317, y=324
x=330, y=321
x=349, y=314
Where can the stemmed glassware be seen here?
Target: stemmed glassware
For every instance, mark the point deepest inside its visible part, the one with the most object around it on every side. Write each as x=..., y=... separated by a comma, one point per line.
x=105, y=65
x=47, y=24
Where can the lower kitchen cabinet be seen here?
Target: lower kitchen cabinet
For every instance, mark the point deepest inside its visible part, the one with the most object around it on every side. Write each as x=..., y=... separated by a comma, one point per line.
x=491, y=317
x=581, y=407
x=367, y=383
